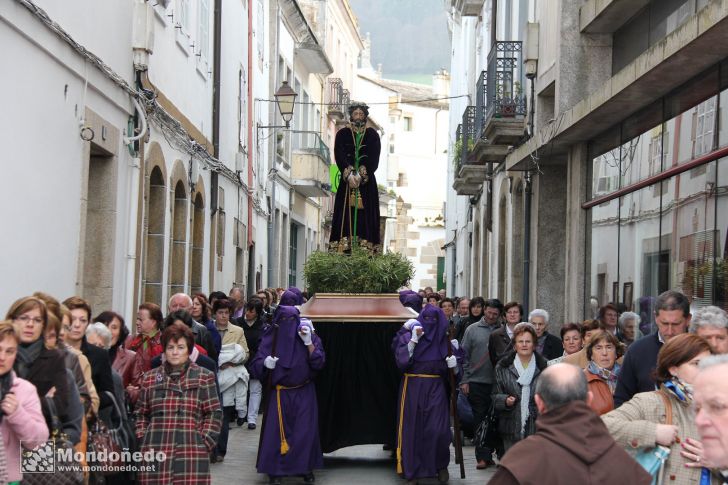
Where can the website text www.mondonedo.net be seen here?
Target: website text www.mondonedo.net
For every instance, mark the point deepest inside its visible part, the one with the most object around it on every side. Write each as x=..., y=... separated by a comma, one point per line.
x=50, y=459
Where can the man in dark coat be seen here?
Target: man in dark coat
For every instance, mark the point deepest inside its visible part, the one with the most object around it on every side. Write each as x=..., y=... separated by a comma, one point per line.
x=182, y=301
x=672, y=316
x=356, y=150
x=582, y=448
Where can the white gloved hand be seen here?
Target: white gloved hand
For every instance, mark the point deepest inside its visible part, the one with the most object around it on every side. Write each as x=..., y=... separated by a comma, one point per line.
x=270, y=362
x=455, y=344
x=409, y=323
x=452, y=362
x=415, y=334
x=305, y=334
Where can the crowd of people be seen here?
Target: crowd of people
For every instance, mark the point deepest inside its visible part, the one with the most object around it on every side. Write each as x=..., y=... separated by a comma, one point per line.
x=524, y=396
x=642, y=385
x=173, y=387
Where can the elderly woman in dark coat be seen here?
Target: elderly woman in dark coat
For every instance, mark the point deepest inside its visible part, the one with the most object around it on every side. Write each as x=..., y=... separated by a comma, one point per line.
x=513, y=396
x=178, y=413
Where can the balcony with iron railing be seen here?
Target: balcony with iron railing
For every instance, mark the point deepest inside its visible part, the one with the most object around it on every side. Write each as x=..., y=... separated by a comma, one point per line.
x=469, y=173
x=483, y=150
x=337, y=99
x=504, y=117
x=310, y=166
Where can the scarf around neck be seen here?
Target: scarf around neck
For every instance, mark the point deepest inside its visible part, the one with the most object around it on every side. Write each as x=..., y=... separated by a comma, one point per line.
x=525, y=377
x=680, y=389
x=175, y=372
x=27, y=353
x=608, y=376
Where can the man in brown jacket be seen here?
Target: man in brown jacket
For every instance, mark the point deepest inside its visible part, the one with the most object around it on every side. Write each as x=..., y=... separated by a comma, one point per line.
x=570, y=435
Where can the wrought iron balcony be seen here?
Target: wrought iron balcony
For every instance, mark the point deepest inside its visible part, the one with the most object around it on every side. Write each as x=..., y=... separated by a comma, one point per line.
x=469, y=174
x=310, y=166
x=337, y=98
x=501, y=89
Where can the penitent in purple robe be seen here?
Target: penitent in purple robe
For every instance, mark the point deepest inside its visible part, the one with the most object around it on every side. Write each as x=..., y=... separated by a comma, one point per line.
x=423, y=421
x=299, y=408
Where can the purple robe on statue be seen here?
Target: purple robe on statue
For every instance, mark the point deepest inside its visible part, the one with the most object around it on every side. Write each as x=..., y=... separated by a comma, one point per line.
x=294, y=370
x=423, y=422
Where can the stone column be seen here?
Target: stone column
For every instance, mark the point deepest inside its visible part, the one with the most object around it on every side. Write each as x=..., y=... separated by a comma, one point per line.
x=548, y=242
x=575, y=248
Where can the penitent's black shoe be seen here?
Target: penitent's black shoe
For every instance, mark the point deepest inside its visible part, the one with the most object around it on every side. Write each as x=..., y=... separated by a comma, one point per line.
x=274, y=480
x=309, y=478
x=240, y=421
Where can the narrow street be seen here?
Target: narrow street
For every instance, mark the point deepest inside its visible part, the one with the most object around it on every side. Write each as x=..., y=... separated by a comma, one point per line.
x=359, y=465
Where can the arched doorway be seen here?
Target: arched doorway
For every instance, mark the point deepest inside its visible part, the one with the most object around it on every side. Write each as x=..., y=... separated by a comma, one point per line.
x=198, y=244
x=154, y=244
x=517, y=238
x=502, y=247
x=178, y=240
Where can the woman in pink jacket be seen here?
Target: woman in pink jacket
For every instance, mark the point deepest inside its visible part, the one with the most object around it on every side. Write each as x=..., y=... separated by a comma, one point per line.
x=22, y=418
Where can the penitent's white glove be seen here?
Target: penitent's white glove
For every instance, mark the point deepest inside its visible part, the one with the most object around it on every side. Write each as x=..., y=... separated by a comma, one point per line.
x=305, y=334
x=415, y=335
x=452, y=362
x=409, y=323
x=270, y=362
x=455, y=344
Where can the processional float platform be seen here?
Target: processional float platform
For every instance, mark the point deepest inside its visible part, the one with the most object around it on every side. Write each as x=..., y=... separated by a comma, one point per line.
x=357, y=389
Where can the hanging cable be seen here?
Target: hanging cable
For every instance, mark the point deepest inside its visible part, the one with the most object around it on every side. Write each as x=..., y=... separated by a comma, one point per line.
x=140, y=110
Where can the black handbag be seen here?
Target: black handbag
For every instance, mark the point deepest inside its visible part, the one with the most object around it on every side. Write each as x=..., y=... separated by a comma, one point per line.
x=486, y=434
x=62, y=473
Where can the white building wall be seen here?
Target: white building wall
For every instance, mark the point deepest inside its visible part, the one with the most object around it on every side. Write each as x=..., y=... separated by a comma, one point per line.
x=46, y=90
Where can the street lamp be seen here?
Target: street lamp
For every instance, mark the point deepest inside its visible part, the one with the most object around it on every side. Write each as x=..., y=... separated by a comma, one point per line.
x=285, y=99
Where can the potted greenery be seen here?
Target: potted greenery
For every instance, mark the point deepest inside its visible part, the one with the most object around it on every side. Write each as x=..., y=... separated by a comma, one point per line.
x=357, y=313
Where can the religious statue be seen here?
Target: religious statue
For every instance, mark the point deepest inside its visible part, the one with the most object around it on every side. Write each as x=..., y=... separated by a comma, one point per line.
x=356, y=206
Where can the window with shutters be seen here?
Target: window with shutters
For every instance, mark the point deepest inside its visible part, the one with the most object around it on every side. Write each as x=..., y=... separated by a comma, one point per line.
x=203, y=31
x=705, y=127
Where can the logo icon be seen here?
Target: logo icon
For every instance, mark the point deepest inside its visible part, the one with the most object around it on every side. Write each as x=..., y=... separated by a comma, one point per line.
x=41, y=459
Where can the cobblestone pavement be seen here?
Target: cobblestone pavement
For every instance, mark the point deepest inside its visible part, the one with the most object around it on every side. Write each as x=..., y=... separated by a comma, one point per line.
x=358, y=465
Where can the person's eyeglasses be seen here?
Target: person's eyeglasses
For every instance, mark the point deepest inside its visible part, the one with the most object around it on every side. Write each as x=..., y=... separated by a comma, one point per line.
x=26, y=319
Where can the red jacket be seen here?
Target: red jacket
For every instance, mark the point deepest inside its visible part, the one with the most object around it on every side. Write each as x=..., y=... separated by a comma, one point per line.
x=603, y=402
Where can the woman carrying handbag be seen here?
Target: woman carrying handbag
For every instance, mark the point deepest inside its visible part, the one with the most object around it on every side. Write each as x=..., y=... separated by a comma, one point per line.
x=664, y=417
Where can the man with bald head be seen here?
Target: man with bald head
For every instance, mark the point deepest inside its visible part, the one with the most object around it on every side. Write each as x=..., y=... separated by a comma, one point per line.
x=710, y=398
x=570, y=434
x=182, y=301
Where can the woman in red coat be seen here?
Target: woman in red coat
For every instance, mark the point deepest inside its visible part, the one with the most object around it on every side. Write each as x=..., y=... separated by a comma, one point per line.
x=178, y=413
x=146, y=344
x=603, y=369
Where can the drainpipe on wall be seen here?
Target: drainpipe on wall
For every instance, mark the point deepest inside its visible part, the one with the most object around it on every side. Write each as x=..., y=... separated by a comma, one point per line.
x=273, y=173
x=249, y=144
x=137, y=184
x=217, y=47
x=526, y=243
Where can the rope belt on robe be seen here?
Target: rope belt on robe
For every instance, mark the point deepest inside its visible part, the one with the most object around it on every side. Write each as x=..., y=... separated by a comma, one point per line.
x=279, y=388
x=401, y=415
